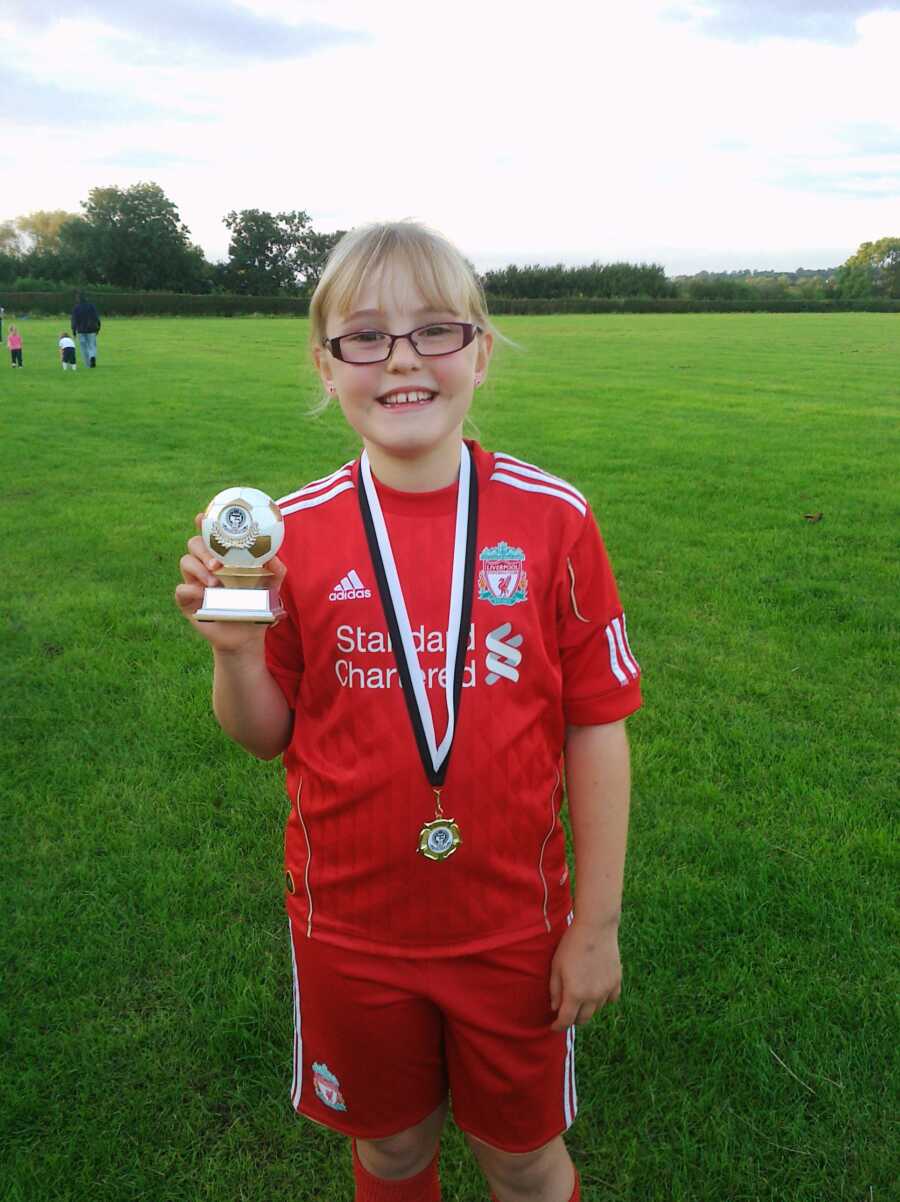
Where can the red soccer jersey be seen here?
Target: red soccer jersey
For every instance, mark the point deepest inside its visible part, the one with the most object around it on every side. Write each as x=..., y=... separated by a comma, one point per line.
x=547, y=646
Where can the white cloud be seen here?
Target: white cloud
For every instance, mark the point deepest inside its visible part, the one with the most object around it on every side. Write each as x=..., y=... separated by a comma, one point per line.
x=183, y=28
x=576, y=131
x=833, y=21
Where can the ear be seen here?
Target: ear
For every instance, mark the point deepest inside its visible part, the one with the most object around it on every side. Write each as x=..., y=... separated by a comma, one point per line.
x=485, y=344
x=322, y=361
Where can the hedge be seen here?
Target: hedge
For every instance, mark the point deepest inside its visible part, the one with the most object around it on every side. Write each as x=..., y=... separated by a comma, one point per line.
x=576, y=304
x=154, y=304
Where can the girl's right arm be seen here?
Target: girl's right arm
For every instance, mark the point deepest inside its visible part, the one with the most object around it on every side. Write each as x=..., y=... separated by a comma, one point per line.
x=247, y=701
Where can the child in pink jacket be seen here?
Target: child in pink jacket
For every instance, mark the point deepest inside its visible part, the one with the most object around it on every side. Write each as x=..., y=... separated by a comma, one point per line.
x=14, y=342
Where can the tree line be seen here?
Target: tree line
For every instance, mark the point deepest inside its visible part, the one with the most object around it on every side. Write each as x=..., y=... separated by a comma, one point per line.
x=872, y=273
x=133, y=239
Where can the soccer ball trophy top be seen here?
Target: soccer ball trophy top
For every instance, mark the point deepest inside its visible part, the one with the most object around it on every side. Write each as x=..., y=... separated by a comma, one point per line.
x=242, y=527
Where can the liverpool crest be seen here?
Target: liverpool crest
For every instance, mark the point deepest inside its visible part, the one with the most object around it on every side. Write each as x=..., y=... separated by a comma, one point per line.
x=501, y=578
x=328, y=1087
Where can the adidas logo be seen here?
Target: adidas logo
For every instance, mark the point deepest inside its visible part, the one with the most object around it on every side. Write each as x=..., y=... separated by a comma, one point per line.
x=351, y=588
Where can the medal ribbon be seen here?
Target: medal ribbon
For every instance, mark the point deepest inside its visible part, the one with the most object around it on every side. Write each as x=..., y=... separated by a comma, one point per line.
x=435, y=758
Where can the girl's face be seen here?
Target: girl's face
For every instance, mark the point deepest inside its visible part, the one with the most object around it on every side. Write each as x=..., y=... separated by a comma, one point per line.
x=409, y=407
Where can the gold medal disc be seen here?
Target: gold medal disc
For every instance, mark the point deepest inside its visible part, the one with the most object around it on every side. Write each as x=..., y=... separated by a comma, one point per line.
x=439, y=839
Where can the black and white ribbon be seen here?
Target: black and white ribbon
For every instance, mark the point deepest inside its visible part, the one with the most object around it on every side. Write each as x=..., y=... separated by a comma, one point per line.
x=435, y=756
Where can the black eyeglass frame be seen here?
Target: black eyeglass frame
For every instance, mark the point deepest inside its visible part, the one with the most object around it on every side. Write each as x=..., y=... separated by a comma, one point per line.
x=468, y=328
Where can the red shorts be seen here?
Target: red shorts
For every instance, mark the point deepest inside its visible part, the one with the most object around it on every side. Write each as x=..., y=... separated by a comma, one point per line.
x=380, y=1041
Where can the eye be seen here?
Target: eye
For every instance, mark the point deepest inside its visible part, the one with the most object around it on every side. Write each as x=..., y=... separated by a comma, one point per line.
x=436, y=331
x=364, y=338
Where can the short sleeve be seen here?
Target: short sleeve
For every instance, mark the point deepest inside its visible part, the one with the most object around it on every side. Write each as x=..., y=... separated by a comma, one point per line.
x=601, y=677
x=284, y=656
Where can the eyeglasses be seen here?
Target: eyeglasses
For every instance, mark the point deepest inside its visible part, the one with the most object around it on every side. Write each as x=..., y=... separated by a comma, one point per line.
x=373, y=346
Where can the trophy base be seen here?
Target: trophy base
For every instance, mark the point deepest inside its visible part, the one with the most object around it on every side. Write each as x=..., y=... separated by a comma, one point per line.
x=240, y=605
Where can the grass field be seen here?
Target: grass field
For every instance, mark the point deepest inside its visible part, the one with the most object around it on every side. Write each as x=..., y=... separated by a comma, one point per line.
x=146, y=1024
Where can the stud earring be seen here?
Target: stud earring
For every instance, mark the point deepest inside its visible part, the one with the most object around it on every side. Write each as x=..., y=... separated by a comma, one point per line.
x=330, y=388
x=478, y=380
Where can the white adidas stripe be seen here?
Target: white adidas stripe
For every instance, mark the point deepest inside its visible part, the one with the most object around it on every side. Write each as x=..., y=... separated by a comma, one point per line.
x=297, y=1082
x=618, y=648
x=570, y=1093
x=519, y=466
x=319, y=500
x=572, y=1086
x=627, y=644
x=518, y=482
x=315, y=485
x=354, y=579
x=613, y=657
x=624, y=649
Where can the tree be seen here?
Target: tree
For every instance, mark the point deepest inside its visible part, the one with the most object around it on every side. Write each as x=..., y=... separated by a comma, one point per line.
x=262, y=251
x=317, y=248
x=10, y=242
x=42, y=227
x=873, y=271
x=10, y=268
x=135, y=238
x=272, y=253
x=594, y=280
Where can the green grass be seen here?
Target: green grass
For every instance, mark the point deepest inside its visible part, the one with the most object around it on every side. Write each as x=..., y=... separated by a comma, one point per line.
x=146, y=1026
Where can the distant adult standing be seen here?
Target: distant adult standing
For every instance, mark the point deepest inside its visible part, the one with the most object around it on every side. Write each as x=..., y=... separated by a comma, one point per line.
x=86, y=327
x=2, y=311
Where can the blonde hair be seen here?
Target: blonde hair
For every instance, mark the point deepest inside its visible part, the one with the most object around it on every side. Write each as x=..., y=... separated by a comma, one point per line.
x=445, y=279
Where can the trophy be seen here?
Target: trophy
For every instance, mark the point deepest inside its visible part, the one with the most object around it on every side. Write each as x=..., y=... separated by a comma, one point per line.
x=244, y=528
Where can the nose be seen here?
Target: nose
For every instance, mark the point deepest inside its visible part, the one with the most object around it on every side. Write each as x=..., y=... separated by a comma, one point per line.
x=403, y=355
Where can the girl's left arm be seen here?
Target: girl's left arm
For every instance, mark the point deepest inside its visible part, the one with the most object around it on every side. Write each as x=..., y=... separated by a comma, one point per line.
x=586, y=971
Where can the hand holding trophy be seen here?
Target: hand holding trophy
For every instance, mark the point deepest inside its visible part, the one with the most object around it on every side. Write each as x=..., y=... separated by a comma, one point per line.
x=230, y=576
x=243, y=528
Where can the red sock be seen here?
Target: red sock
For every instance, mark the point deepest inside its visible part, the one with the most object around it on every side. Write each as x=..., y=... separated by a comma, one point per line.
x=576, y=1192
x=424, y=1187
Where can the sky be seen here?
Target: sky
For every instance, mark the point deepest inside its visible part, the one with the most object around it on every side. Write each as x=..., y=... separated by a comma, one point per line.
x=702, y=136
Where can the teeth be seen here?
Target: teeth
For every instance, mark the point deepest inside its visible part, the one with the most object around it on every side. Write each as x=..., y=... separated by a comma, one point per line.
x=407, y=398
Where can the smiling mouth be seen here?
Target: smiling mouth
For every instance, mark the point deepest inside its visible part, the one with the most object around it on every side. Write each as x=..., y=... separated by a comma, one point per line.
x=410, y=397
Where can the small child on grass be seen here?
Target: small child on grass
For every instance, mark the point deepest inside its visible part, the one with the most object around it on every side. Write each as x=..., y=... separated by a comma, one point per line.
x=67, y=352
x=14, y=342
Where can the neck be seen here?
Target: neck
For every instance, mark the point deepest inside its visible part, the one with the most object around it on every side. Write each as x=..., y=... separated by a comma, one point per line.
x=422, y=472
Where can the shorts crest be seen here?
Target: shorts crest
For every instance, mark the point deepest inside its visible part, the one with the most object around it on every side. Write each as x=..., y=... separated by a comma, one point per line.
x=328, y=1087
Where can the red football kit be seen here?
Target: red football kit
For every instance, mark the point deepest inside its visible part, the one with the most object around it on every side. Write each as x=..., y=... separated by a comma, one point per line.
x=546, y=646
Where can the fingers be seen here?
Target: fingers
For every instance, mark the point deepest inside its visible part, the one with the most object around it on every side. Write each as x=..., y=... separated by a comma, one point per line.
x=198, y=548
x=189, y=598
x=568, y=1012
x=575, y=1012
x=198, y=570
x=277, y=567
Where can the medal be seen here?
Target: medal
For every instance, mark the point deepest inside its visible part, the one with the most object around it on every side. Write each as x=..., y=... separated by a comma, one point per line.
x=440, y=837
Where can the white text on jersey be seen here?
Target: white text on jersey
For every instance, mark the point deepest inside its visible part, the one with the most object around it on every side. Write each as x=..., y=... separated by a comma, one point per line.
x=350, y=588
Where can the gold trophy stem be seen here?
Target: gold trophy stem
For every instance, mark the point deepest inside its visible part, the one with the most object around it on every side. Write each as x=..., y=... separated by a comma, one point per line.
x=244, y=577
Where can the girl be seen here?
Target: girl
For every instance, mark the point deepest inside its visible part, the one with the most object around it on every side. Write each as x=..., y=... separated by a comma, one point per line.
x=452, y=627
x=14, y=342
